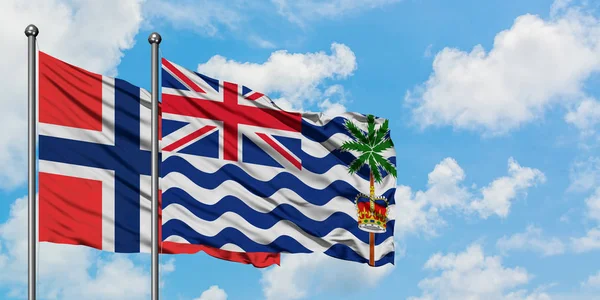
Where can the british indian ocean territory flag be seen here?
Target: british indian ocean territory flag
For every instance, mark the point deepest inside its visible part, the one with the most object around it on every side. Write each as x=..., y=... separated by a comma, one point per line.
x=238, y=173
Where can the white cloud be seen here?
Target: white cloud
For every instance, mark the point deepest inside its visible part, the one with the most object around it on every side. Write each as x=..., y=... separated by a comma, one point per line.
x=420, y=212
x=524, y=295
x=415, y=214
x=262, y=43
x=593, y=205
x=532, y=240
x=446, y=191
x=217, y=19
x=214, y=18
x=586, y=116
x=301, y=11
x=428, y=52
x=498, y=195
x=213, y=293
x=334, y=101
x=90, y=34
x=117, y=278
x=301, y=276
x=589, y=242
x=585, y=175
x=165, y=269
x=472, y=275
x=298, y=78
x=532, y=66
x=65, y=271
x=444, y=185
x=559, y=6
x=204, y=17
x=331, y=108
x=592, y=282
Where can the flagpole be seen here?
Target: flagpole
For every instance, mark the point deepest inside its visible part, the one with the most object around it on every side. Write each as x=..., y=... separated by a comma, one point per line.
x=154, y=39
x=31, y=32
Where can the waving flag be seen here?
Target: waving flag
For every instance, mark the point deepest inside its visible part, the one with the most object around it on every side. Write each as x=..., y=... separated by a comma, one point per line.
x=94, y=168
x=240, y=174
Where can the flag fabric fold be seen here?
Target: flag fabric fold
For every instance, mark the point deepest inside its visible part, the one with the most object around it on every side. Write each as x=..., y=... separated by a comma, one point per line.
x=94, y=164
x=240, y=174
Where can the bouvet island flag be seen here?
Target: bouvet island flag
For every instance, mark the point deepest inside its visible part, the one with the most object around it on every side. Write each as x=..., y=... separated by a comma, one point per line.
x=240, y=174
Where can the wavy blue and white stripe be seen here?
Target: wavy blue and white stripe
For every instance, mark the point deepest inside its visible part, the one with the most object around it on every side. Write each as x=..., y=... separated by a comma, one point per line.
x=253, y=208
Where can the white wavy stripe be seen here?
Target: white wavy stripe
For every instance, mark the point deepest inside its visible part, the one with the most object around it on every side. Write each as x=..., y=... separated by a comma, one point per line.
x=266, y=173
x=281, y=228
x=322, y=149
x=228, y=247
x=261, y=204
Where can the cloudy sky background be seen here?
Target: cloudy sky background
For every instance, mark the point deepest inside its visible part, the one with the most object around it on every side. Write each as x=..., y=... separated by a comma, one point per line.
x=493, y=108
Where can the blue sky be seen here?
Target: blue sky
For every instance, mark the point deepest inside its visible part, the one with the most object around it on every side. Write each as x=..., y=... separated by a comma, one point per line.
x=493, y=112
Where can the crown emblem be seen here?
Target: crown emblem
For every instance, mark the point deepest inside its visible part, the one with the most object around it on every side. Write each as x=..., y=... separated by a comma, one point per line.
x=372, y=213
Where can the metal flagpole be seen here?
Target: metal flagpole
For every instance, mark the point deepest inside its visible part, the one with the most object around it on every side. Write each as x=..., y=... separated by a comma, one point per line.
x=31, y=32
x=154, y=40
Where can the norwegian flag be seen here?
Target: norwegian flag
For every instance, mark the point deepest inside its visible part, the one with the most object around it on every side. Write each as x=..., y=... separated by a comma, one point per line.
x=94, y=168
x=213, y=118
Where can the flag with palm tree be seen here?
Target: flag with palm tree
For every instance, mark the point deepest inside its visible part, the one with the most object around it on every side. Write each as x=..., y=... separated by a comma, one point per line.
x=370, y=147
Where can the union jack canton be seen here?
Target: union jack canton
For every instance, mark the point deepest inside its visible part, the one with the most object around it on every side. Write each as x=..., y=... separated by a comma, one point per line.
x=201, y=113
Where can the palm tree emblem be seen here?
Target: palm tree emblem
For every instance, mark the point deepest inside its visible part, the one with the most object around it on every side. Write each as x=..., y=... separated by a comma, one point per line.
x=372, y=211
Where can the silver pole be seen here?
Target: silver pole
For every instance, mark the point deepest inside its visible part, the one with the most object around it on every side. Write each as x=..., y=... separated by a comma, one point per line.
x=31, y=32
x=154, y=40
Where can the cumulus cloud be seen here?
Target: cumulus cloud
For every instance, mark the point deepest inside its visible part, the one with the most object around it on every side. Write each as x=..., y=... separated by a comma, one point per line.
x=585, y=175
x=559, y=6
x=168, y=266
x=164, y=269
x=90, y=34
x=204, y=17
x=589, y=242
x=235, y=17
x=297, y=78
x=66, y=272
x=420, y=211
x=301, y=276
x=473, y=275
x=428, y=52
x=415, y=214
x=531, y=240
x=216, y=19
x=300, y=12
x=586, y=117
x=593, y=205
x=497, y=196
x=213, y=293
x=261, y=42
x=524, y=295
x=532, y=66
x=592, y=282
x=335, y=98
